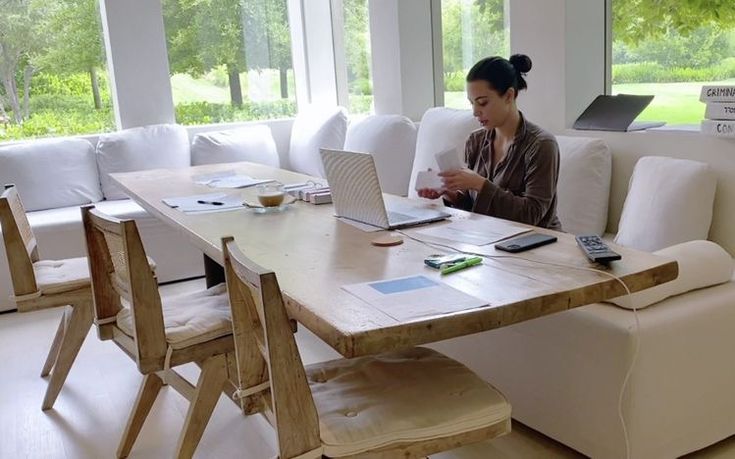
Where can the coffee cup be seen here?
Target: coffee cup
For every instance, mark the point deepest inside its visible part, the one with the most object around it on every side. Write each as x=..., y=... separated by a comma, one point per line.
x=271, y=194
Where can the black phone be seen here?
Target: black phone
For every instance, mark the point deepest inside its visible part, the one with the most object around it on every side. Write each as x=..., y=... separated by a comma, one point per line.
x=527, y=242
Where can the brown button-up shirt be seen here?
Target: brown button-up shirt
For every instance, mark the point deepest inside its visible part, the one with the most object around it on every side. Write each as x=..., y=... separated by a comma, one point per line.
x=522, y=186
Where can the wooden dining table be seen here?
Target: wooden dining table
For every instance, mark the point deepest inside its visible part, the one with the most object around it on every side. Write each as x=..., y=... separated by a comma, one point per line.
x=314, y=254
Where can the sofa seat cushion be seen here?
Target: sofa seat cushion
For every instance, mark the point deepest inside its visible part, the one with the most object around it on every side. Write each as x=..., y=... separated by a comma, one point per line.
x=251, y=143
x=57, y=276
x=314, y=128
x=190, y=318
x=701, y=264
x=51, y=173
x=408, y=395
x=440, y=129
x=669, y=201
x=583, y=189
x=150, y=147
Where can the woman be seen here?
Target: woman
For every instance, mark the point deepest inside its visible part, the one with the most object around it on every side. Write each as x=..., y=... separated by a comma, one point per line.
x=513, y=165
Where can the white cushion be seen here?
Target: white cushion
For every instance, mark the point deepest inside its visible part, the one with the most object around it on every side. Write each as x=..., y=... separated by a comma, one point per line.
x=669, y=201
x=701, y=264
x=391, y=139
x=440, y=129
x=150, y=147
x=402, y=396
x=56, y=276
x=191, y=318
x=583, y=189
x=315, y=128
x=252, y=143
x=51, y=173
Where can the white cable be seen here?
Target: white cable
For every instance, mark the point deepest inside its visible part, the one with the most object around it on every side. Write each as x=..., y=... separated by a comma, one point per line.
x=636, y=333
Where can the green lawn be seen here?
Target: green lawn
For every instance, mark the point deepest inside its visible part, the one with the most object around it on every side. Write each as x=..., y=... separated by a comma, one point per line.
x=675, y=103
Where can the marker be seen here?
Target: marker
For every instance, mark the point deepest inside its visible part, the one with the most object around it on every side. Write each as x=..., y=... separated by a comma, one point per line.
x=214, y=203
x=460, y=266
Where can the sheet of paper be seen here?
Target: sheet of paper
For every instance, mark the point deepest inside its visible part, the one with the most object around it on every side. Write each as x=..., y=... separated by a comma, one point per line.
x=205, y=179
x=201, y=203
x=236, y=181
x=428, y=179
x=475, y=232
x=413, y=297
x=449, y=160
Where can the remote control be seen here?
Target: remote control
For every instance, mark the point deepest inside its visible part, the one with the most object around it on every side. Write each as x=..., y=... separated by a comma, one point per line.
x=596, y=250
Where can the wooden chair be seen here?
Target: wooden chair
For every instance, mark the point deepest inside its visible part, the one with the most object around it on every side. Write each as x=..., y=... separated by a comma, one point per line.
x=407, y=403
x=40, y=284
x=157, y=335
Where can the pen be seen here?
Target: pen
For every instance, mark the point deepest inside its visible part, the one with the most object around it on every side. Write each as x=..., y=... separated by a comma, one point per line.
x=214, y=203
x=459, y=266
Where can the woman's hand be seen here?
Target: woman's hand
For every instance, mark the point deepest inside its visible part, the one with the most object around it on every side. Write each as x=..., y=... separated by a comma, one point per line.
x=429, y=193
x=462, y=179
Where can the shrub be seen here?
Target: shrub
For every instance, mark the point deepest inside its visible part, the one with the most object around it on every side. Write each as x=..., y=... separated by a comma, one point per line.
x=651, y=72
x=207, y=113
x=361, y=86
x=454, y=81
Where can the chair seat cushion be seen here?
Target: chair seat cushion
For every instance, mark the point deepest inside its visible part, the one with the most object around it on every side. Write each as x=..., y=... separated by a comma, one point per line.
x=191, y=318
x=403, y=396
x=57, y=276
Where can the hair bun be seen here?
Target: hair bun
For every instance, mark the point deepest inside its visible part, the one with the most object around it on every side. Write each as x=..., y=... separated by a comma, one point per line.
x=521, y=62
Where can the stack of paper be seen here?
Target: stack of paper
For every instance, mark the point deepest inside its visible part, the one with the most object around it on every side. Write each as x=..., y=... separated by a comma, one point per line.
x=720, y=115
x=202, y=203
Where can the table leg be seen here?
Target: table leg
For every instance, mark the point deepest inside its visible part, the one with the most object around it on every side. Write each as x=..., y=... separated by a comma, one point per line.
x=213, y=273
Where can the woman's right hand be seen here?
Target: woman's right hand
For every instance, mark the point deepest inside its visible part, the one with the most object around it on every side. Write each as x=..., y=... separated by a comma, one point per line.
x=429, y=193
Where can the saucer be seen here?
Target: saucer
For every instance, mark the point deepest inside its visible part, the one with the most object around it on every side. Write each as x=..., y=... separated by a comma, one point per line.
x=270, y=210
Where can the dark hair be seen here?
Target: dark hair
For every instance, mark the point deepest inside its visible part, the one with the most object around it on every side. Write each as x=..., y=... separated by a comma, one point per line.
x=502, y=73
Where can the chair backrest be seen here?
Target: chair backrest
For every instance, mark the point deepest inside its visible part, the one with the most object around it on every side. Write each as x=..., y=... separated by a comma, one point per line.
x=120, y=274
x=20, y=243
x=267, y=356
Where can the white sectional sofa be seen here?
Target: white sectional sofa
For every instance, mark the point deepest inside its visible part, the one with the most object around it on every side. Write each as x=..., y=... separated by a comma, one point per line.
x=563, y=373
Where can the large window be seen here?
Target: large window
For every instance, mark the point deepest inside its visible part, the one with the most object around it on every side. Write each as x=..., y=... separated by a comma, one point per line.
x=53, y=79
x=471, y=30
x=230, y=60
x=670, y=49
x=357, y=55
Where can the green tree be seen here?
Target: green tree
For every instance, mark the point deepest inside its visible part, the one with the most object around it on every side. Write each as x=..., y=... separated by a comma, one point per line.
x=238, y=34
x=75, y=41
x=357, y=45
x=20, y=43
x=636, y=20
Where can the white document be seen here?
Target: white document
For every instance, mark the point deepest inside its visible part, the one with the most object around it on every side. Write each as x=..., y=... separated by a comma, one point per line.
x=449, y=160
x=236, y=181
x=205, y=179
x=202, y=203
x=429, y=179
x=413, y=297
x=475, y=232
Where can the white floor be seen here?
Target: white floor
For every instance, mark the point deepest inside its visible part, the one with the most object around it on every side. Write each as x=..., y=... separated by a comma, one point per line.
x=91, y=410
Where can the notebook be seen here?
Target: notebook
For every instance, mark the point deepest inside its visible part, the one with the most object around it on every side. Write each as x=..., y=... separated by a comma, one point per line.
x=357, y=195
x=616, y=113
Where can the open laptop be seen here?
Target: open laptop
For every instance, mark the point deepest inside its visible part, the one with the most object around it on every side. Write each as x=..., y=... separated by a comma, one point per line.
x=356, y=193
x=616, y=113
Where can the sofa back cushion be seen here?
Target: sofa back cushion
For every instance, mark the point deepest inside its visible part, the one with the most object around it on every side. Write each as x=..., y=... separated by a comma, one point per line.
x=251, y=143
x=669, y=201
x=391, y=139
x=51, y=173
x=142, y=148
x=315, y=128
x=583, y=189
x=440, y=129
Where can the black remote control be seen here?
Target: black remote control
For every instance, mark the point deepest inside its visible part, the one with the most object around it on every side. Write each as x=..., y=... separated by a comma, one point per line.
x=596, y=250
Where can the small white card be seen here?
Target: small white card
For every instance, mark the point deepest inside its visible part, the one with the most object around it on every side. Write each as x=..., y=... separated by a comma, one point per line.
x=430, y=180
x=449, y=160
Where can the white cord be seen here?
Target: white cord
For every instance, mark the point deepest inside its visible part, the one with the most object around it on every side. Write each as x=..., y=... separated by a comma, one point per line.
x=636, y=333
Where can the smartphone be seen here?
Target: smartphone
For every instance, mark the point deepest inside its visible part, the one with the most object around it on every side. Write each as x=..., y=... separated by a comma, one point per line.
x=527, y=242
x=444, y=261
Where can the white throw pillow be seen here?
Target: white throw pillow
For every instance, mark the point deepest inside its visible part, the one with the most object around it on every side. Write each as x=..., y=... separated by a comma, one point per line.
x=583, y=190
x=151, y=147
x=51, y=173
x=315, y=128
x=391, y=139
x=440, y=129
x=251, y=143
x=669, y=201
x=701, y=264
